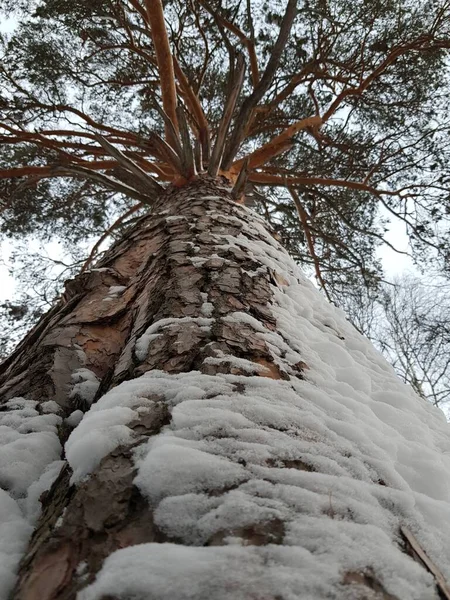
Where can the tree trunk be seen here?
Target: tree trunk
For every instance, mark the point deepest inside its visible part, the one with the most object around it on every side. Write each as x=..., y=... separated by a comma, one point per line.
x=244, y=442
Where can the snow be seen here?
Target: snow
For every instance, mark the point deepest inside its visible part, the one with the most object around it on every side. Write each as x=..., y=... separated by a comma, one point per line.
x=85, y=385
x=74, y=418
x=114, y=292
x=14, y=533
x=29, y=462
x=175, y=467
x=239, y=363
x=175, y=218
x=50, y=407
x=342, y=457
x=168, y=571
x=326, y=465
x=96, y=436
x=28, y=443
x=32, y=504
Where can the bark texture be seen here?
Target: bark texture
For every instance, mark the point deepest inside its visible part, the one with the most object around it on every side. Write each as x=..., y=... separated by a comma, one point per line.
x=170, y=272
x=168, y=266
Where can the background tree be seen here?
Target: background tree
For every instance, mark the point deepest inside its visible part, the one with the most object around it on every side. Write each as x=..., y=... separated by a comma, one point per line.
x=239, y=426
x=408, y=321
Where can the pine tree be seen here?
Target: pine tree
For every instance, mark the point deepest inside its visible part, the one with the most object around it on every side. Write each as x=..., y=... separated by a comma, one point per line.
x=238, y=437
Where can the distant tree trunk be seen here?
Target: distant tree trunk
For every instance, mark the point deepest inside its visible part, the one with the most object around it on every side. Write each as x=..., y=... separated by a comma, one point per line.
x=191, y=289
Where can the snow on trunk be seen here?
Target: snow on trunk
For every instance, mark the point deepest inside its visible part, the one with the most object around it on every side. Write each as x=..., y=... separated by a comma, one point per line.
x=246, y=443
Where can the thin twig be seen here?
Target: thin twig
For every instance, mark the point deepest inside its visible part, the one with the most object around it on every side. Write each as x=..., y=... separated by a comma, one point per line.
x=248, y=43
x=303, y=215
x=108, y=232
x=432, y=568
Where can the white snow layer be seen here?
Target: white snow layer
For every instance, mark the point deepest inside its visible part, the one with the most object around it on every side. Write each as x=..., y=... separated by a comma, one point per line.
x=85, y=385
x=340, y=460
x=29, y=463
x=332, y=465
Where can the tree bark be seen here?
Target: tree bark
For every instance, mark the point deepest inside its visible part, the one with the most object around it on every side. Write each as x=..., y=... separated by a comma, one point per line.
x=190, y=289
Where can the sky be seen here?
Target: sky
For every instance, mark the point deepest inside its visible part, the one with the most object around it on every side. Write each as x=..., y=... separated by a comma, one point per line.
x=6, y=281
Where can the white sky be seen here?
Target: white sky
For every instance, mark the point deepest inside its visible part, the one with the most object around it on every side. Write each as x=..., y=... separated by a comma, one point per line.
x=393, y=262
x=6, y=281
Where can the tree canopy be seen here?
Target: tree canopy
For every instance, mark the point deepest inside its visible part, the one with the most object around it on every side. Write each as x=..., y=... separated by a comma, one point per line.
x=331, y=115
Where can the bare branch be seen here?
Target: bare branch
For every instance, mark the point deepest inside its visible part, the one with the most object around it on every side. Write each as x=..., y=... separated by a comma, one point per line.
x=303, y=215
x=194, y=105
x=248, y=43
x=188, y=161
x=108, y=182
x=107, y=233
x=238, y=189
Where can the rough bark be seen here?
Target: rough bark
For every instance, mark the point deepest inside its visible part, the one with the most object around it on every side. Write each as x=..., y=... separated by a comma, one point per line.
x=170, y=267
x=87, y=330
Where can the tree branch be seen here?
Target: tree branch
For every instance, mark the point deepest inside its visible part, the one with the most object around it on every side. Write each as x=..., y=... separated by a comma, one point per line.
x=252, y=101
x=194, y=105
x=107, y=233
x=248, y=43
x=127, y=163
x=303, y=215
x=278, y=144
x=164, y=59
x=235, y=83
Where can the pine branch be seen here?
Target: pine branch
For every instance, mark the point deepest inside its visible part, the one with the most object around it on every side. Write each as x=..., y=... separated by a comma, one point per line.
x=235, y=83
x=193, y=103
x=104, y=180
x=239, y=186
x=252, y=101
x=278, y=144
x=188, y=160
x=248, y=43
x=303, y=215
x=128, y=164
x=167, y=153
x=170, y=127
x=164, y=59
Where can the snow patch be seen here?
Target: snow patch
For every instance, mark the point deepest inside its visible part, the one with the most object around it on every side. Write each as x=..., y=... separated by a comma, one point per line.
x=247, y=366
x=233, y=572
x=15, y=531
x=29, y=458
x=85, y=385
